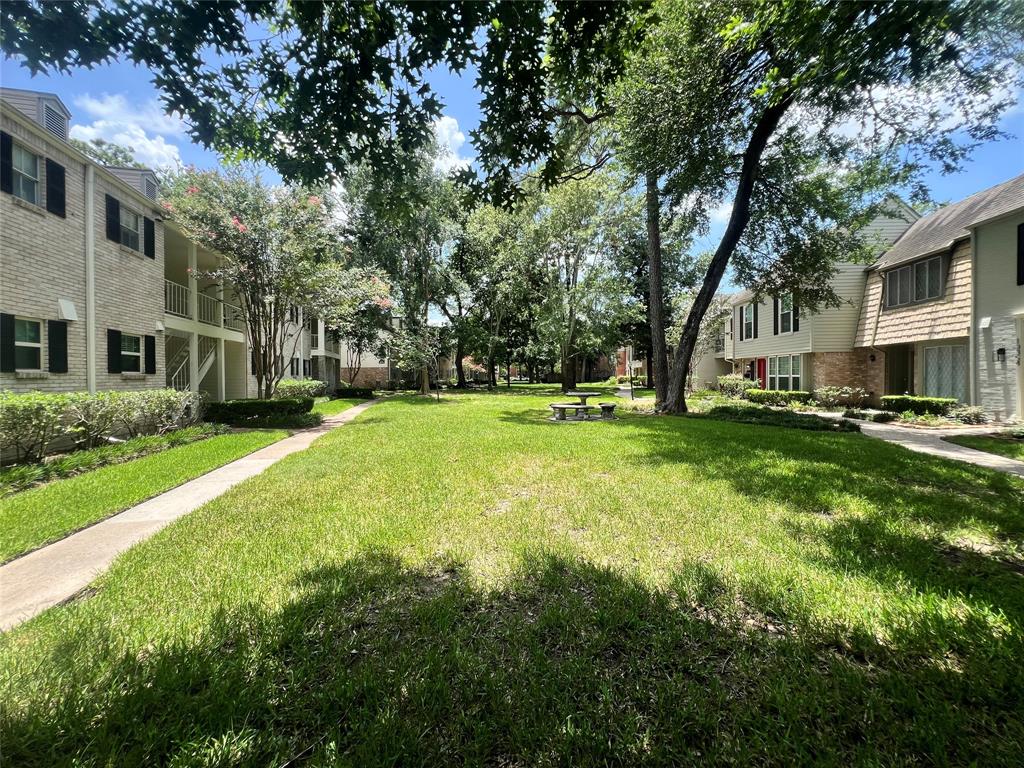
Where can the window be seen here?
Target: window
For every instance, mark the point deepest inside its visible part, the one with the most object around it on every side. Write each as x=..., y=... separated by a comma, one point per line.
x=131, y=226
x=945, y=371
x=748, y=321
x=131, y=353
x=24, y=174
x=293, y=367
x=786, y=314
x=784, y=373
x=28, y=344
x=293, y=313
x=915, y=282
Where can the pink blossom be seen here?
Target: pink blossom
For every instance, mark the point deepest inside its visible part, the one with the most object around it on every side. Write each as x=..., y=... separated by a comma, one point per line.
x=167, y=206
x=383, y=303
x=192, y=190
x=314, y=200
x=238, y=224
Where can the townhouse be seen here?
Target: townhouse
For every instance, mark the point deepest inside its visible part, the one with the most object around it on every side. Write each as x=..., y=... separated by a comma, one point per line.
x=776, y=344
x=940, y=313
x=100, y=290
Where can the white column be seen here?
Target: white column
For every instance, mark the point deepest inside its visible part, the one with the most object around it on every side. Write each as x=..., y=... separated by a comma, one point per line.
x=193, y=312
x=221, y=386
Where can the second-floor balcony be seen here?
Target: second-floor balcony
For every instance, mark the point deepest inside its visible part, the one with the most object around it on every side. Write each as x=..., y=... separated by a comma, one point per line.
x=208, y=309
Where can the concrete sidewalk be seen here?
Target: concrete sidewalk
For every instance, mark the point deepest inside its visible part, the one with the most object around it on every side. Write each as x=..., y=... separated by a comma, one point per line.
x=52, y=574
x=930, y=441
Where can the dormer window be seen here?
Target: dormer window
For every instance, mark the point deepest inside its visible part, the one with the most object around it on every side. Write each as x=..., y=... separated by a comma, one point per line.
x=921, y=281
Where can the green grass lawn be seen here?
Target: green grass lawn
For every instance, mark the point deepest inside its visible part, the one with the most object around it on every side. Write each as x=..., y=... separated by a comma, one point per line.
x=466, y=582
x=333, y=407
x=40, y=515
x=1011, y=447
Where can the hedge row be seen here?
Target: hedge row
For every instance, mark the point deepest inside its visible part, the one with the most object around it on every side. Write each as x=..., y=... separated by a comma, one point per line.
x=776, y=396
x=937, y=406
x=239, y=412
x=33, y=424
x=750, y=415
x=290, y=388
x=364, y=392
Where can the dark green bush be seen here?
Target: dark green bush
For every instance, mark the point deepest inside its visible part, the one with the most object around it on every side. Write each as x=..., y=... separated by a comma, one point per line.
x=877, y=416
x=241, y=412
x=776, y=396
x=292, y=388
x=364, y=392
x=936, y=406
x=22, y=476
x=748, y=415
x=284, y=421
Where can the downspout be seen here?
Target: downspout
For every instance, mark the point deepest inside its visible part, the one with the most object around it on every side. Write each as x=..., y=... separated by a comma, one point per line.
x=90, y=278
x=972, y=363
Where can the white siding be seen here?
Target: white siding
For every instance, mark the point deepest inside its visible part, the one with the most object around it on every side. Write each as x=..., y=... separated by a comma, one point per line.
x=833, y=329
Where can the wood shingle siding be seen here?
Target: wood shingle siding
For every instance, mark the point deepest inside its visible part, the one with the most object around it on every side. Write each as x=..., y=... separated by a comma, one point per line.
x=947, y=317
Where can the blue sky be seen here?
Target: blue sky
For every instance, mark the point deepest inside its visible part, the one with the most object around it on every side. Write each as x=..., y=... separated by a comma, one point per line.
x=117, y=102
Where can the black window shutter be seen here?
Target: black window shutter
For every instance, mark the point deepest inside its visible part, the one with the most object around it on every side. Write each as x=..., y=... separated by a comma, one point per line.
x=6, y=163
x=113, y=219
x=7, y=343
x=149, y=238
x=57, y=345
x=796, y=317
x=113, y=351
x=55, y=189
x=739, y=319
x=150, y=354
x=755, y=320
x=1020, y=254
x=775, y=317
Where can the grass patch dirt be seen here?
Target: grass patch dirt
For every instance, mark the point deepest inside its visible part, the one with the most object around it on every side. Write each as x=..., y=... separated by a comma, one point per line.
x=467, y=582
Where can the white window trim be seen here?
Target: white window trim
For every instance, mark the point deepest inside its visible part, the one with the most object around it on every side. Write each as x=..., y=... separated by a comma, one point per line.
x=747, y=336
x=131, y=354
x=30, y=344
x=15, y=172
x=122, y=227
x=773, y=378
x=780, y=313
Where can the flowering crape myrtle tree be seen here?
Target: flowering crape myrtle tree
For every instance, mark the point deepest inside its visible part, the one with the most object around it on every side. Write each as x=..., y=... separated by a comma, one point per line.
x=279, y=250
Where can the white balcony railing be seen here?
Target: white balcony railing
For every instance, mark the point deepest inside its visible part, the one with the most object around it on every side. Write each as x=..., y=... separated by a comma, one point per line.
x=176, y=298
x=233, y=317
x=209, y=309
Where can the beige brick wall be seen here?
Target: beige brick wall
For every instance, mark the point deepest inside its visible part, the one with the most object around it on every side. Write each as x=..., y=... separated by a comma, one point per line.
x=945, y=318
x=368, y=376
x=42, y=259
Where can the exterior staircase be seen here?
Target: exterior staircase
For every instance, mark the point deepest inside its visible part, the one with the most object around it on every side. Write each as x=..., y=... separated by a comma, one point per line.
x=179, y=359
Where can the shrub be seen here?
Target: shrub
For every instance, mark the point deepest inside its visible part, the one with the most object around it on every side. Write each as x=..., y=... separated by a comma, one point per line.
x=242, y=412
x=291, y=388
x=734, y=385
x=156, y=411
x=22, y=476
x=937, y=406
x=851, y=397
x=967, y=414
x=622, y=379
x=364, y=392
x=29, y=422
x=877, y=416
x=285, y=421
x=700, y=394
x=777, y=397
x=749, y=415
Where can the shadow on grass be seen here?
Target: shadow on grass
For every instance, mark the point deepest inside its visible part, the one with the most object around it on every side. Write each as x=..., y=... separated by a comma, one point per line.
x=375, y=663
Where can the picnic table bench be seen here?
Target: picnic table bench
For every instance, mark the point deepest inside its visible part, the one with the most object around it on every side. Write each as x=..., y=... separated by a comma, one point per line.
x=578, y=408
x=582, y=395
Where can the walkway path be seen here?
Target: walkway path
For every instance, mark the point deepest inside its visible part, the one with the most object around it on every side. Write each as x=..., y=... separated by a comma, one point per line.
x=930, y=441
x=54, y=573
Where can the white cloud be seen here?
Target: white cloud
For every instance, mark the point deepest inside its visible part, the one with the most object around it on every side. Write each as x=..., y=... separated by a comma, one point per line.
x=451, y=140
x=720, y=213
x=140, y=127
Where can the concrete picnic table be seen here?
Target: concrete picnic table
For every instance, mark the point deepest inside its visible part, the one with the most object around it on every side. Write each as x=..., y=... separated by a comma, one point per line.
x=583, y=395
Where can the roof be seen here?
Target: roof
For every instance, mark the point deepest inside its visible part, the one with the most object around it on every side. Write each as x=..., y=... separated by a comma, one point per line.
x=43, y=94
x=941, y=230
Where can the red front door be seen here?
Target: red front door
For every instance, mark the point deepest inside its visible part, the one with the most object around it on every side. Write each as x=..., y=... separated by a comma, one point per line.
x=762, y=371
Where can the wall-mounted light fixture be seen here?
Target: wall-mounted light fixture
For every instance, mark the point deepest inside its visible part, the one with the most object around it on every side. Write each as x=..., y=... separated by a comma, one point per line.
x=1001, y=355
x=871, y=358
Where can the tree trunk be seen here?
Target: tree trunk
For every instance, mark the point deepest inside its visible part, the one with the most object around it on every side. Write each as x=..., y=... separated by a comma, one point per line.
x=766, y=125
x=460, y=374
x=655, y=296
x=648, y=377
x=568, y=371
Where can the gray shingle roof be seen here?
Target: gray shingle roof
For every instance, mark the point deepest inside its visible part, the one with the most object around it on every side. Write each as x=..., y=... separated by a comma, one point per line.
x=938, y=231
